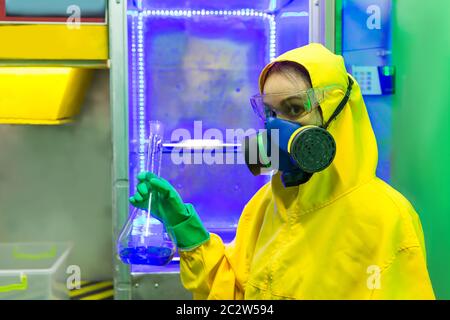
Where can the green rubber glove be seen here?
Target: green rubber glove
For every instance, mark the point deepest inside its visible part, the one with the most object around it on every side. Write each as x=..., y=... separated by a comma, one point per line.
x=180, y=219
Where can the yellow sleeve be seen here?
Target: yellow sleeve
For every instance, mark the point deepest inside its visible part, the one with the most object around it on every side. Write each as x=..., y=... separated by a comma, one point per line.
x=207, y=272
x=405, y=278
x=217, y=271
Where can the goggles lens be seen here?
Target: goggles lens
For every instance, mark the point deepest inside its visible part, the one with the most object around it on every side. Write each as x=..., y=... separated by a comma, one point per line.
x=290, y=106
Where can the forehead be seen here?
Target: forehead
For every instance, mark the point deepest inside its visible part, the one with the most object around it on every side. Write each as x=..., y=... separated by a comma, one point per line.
x=277, y=83
x=285, y=82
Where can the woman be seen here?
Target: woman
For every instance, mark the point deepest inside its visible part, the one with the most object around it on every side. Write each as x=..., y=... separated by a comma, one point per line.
x=341, y=233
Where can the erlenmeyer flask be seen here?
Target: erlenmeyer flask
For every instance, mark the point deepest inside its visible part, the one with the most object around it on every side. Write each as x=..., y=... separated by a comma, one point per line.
x=144, y=239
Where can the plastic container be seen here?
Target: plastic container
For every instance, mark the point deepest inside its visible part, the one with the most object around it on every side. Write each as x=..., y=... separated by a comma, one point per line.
x=33, y=271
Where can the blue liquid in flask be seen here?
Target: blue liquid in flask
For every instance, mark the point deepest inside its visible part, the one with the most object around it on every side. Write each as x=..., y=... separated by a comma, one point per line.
x=144, y=240
x=157, y=256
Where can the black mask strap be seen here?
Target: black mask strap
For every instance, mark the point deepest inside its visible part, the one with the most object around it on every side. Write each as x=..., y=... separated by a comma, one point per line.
x=341, y=105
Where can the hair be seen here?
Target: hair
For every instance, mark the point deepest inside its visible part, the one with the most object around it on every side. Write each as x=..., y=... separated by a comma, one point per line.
x=292, y=71
x=289, y=69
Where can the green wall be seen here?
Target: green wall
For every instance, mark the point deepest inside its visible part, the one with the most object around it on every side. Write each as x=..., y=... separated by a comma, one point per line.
x=421, y=120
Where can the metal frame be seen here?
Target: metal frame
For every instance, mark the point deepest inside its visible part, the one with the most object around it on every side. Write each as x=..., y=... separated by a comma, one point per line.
x=322, y=16
x=118, y=45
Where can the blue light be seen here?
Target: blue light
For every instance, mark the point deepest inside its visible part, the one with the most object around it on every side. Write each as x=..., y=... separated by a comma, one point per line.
x=141, y=91
x=183, y=14
x=133, y=70
x=202, y=12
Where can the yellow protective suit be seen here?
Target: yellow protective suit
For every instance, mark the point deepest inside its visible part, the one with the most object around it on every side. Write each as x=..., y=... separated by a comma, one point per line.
x=345, y=234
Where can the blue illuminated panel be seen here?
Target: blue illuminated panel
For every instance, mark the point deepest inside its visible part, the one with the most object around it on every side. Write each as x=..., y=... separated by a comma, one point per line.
x=366, y=47
x=202, y=64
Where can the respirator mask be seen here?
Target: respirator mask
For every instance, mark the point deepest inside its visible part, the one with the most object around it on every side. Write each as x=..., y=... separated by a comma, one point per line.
x=297, y=151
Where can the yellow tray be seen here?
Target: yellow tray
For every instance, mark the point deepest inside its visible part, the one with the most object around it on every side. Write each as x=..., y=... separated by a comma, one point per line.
x=35, y=95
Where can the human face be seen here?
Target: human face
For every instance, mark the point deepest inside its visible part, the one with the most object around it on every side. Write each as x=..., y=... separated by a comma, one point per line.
x=283, y=98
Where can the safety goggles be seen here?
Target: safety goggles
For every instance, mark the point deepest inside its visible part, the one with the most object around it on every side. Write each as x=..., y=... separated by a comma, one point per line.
x=290, y=105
